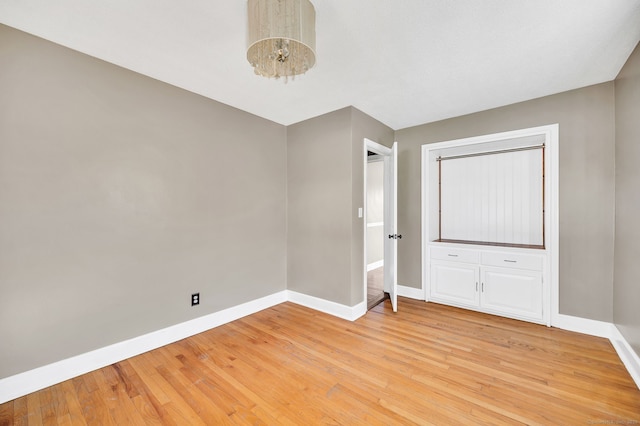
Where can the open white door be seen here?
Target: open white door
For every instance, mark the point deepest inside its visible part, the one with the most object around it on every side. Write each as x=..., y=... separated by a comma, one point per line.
x=391, y=226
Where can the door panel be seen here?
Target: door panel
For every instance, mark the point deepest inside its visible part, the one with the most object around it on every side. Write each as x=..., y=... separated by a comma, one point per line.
x=455, y=283
x=391, y=226
x=517, y=292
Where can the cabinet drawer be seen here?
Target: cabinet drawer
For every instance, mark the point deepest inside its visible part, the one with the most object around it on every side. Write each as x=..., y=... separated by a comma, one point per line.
x=512, y=260
x=454, y=254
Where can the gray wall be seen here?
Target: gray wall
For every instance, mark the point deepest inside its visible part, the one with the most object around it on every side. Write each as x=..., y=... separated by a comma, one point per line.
x=626, y=289
x=119, y=197
x=587, y=143
x=325, y=188
x=319, y=206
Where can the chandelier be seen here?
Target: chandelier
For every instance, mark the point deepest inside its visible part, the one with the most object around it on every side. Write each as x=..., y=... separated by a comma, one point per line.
x=282, y=37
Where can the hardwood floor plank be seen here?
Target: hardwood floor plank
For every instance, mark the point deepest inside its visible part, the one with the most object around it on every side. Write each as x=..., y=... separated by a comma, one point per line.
x=94, y=409
x=60, y=404
x=117, y=400
x=279, y=413
x=34, y=416
x=219, y=390
x=365, y=406
x=147, y=405
x=206, y=413
x=74, y=409
x=47, y=409
x=218, y=366
x=6, y=414
x=146, y=369
x=289, y=365
x=20, y=412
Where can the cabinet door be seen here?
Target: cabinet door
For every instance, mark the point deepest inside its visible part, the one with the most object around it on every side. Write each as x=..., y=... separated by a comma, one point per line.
x=512, y=292
x=454, y=283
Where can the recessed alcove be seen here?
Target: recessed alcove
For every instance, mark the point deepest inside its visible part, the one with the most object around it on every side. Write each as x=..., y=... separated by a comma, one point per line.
x=490, y=231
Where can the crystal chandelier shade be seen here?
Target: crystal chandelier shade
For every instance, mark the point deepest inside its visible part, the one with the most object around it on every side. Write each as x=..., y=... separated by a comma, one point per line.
x=282, y=37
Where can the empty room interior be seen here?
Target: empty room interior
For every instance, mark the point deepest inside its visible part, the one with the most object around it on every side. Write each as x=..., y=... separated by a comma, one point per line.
x=317, y=212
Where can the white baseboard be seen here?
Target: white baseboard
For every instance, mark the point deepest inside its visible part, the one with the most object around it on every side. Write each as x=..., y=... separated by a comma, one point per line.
x=582, y=325
x=350, y=313
x=627, y=355
x=375, y=265
x=30, y=381
x=411, y=292
x=608, y=330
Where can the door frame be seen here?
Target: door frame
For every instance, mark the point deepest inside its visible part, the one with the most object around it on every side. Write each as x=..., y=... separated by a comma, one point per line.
x=385, y=152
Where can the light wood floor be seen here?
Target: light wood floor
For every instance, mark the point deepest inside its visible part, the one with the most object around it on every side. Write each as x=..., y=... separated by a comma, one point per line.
x=427, y=364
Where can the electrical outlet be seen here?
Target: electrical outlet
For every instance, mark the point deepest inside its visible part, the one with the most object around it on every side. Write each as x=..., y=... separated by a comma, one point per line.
x=195, y=299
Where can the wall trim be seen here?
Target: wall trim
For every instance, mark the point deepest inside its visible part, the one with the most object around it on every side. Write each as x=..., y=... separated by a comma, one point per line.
x=627, y=355
x=21, y=384
x=349, y=313
x=582, y=325
x=410, y=292
x=375, y=265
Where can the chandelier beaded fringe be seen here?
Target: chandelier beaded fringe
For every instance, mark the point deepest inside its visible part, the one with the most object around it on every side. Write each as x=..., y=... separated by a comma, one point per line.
x=282, y=37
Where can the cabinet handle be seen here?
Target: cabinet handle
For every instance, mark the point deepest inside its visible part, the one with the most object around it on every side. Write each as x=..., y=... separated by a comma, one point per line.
x=452, y=255
x=511, y=261
x=483, y=287
x=476, y=286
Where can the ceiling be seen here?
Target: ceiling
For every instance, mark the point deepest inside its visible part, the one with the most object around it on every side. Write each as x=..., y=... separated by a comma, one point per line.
x=403, y=62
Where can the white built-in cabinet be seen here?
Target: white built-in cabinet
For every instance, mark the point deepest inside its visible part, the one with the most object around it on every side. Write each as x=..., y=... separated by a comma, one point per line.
x=501, y=282
x=490, y=223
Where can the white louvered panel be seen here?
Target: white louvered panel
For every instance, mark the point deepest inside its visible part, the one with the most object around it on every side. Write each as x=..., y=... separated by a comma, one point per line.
x=493, y=198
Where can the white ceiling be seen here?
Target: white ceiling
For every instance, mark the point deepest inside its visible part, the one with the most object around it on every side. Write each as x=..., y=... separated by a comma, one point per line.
x=403, y=62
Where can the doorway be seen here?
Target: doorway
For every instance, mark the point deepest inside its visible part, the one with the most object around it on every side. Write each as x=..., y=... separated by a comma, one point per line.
x=375, y=229
x=380, y=224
